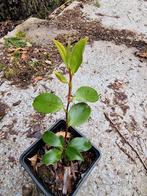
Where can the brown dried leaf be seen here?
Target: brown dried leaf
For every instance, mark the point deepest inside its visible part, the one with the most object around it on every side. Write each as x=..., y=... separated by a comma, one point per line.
x=142, y=54
x=24, y=56
x=33, y=160
x=116, y=85
x=62, y=133
x=38, y=78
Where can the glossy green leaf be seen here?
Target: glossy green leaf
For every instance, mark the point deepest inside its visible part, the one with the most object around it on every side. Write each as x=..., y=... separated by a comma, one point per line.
x=81, y=144
x=52, y=156
x=61, y=77
x=62, y=140
x=62, y=51
x=47, y=103
x=76, y=56
x=86, y=93
x=78, y=114
x=73, y=154
x=52, y=139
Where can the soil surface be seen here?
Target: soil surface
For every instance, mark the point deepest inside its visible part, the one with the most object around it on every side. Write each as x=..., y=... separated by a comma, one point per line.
x=23, y=66
x=53, y=176
x=7, y=26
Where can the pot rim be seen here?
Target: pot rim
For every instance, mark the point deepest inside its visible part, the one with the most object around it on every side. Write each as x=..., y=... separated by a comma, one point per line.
x=41, y=187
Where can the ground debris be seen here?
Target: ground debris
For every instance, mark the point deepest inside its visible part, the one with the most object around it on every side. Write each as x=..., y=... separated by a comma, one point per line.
x=125, y=140
x=120, y=98
x=12, y=159
x=62, y=133
x=142, y=53
x=116, y=85
x=28, y=65
x=74, y=19
x=33, y=161
x=125, y=151
x=7, y=26
x=3, y=110
x=17, y=103
x=67, y=184
x=30, y=190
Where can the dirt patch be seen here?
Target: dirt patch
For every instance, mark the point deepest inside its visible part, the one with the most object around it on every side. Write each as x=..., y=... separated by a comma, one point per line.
x=120, y=98
x=75, y=20
x=29, y=65
x=116, y=85
x=3, y=110
x=23, y=66
x=7, y=26
x=142, y=53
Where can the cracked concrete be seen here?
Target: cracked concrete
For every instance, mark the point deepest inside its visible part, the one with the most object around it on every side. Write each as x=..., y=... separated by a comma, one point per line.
x=121, y=79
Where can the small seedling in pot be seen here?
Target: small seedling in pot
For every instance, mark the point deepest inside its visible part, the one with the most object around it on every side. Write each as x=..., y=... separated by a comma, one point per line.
x=61, y=147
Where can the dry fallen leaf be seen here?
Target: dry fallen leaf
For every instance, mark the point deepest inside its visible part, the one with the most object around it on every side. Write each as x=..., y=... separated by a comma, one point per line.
x=142, y=54
x=33, y=160
x=38, y=78
x=62, y=133
x=24, y=56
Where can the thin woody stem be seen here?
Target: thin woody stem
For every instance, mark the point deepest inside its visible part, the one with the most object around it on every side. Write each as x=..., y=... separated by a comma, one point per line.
x=68, y=102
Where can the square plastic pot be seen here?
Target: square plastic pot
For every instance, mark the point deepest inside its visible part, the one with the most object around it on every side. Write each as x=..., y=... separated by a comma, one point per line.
x=33, y=149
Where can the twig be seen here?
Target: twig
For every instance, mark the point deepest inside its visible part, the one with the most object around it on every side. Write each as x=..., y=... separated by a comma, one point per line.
x=67, y=180
x=99, y=14
x=119, y=133
x=59, y=9
x=68, y=103
x=124, y=151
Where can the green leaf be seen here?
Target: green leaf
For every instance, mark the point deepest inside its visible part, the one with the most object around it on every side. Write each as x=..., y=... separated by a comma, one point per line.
x=52, y=156
x=78, y=114
x=61, y=77
x=73, y=154
x=81, y=144
x=62, y=140
x=76, y=56
x=86, y=93
x=62, y=51
x=52, y=139
x=47, y=103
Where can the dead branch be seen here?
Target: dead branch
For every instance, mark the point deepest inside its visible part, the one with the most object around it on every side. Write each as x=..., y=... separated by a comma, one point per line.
x=125, y=152
x=124, y=139
x=67, y=180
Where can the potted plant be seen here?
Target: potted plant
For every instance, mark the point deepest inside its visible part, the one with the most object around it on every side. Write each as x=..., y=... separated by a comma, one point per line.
x=60, y=161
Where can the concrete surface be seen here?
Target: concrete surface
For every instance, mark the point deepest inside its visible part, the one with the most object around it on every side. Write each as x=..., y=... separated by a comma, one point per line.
x=121, y=78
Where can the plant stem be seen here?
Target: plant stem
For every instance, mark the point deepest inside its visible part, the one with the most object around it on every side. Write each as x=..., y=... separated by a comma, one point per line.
x=68, y=103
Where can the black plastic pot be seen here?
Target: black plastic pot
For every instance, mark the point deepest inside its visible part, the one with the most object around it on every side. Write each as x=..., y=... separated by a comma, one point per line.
x=32, y=150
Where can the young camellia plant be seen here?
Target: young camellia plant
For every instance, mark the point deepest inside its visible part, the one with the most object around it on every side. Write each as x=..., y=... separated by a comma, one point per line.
x=63, y=148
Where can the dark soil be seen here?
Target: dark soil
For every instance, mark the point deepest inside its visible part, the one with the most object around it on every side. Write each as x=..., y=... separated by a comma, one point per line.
x=7, y=26
x=53, y=175
x=74, y=19
x=28, y=65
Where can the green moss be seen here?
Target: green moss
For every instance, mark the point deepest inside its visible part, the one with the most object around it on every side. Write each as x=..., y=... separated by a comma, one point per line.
x=97, y=4
x=2, y=67
x=21, y=34
x=15, y=42
x=9, y=73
